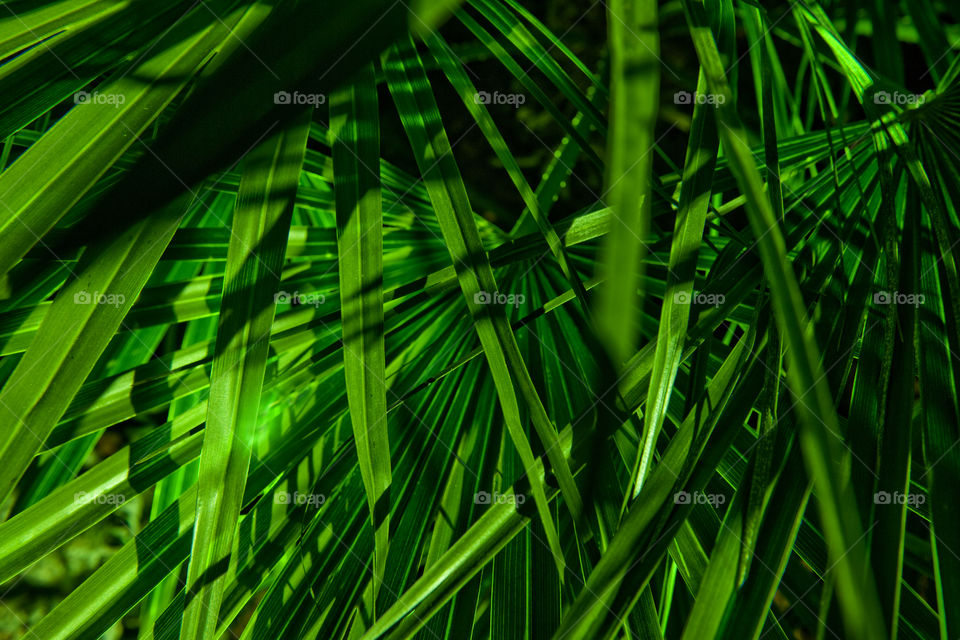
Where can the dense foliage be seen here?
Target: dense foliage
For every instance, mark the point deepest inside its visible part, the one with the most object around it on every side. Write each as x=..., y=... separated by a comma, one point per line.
x=495, y=319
